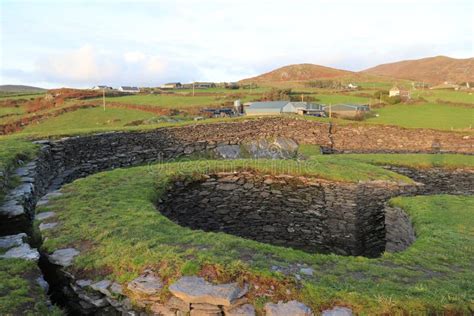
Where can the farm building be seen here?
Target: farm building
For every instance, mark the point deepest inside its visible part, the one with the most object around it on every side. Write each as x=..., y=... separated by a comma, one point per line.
x=101, y=88
x=312, y=109
x=128, y=89
x=395, y=92
x=446, y=85
x=346, y=110
x=284, y=107
x=266, y=108
x=171, y=85
x=204, y=85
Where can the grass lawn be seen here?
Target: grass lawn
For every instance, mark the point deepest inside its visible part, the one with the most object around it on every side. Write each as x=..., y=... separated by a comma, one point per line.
x=4, y=110
x=445, y=95
x=445, y=161
x=171, y=101
x=87, y=119
x=337, y=98
x=20, y=294
x=113, y=215
x=435, y=116
x=15, y=96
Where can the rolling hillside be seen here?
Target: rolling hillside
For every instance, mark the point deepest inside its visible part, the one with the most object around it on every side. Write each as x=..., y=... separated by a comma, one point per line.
x=433, y=70
x=9, y=88
x=300, y=72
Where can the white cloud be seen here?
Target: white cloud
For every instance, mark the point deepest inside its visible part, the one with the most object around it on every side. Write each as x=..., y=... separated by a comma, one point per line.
x=133, y=57
x=82, y=65
x=157, y=41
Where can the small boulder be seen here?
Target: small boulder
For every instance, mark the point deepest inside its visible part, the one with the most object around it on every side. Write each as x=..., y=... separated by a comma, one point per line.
x=46, y=226
x=307, y=271
x=8, y=242
x=293, y=308
x=242, y=310
x=337, y=311
x=192, y=289
x=102, y=287
x=63, y=257
x=146, y=284
x=44, y=215
x=22, y=252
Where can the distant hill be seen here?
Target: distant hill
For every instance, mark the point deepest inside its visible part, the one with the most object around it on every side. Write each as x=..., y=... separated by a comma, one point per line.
x=9, y=88
x=300, y=72
x=432, y=70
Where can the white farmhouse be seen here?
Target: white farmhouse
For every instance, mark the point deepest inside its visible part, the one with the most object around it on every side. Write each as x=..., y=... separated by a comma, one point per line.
x=129, y=89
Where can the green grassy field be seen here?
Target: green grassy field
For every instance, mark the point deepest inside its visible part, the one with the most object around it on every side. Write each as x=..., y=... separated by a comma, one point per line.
x=425, y=116
x=10, y=110
x=445, y=95
x=335, y=99
x=172, y=101
x=434, y=274
x=87, y=119
x=15, y=96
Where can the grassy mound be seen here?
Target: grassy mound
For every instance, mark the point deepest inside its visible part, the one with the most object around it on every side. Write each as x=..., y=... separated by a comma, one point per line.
x=111, y=218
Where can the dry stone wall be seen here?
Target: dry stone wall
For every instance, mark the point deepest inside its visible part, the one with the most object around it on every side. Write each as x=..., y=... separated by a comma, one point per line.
x=348, y=216
x=313, y=215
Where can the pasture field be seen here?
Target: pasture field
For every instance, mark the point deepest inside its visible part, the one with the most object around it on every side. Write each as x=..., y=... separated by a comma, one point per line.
x=6, y=110
x=434, y=116
x=15, y=96
x=174, y=101
x=337, y=98
x=445, y=95
x=87, y=119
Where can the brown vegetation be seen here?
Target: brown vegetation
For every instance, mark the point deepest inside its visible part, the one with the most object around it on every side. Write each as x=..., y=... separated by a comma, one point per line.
x=300, y=72
x=433, y=70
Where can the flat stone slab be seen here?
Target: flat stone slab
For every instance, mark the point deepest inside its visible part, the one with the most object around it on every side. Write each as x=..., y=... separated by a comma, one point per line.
x=293, y=308
x=307, y=271
x=44, y=215
x=11, y=208
x=46, y=226
x=242, y=310
x=22, y=252
x=192, y=289
x=146, y=284
x=63, y=257
x=337, y=311
x=102, y=287
x=11, y=241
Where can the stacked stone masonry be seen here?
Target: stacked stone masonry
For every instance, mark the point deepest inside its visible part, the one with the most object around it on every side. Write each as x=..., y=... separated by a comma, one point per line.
x=308, y=214
x=64, y=160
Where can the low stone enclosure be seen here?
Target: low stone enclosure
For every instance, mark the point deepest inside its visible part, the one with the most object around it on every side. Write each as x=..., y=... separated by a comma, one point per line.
x=313, y=215
x=349, y=219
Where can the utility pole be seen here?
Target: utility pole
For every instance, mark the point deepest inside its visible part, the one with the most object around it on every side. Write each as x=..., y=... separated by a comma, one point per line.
x=193, y=88
x=302, y=97
x=103, y=98
x=330, y=110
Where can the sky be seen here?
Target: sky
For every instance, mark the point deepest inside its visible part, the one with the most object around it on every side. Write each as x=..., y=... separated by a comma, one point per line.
x=147, y=43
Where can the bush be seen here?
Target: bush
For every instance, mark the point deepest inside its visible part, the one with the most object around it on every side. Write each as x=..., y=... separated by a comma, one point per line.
x=277, y=94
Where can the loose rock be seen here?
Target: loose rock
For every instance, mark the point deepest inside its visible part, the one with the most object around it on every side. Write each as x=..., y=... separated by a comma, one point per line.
x=197, y=290
x=63, y=257
x=146, y=284
x=337, y=311
x=293, y=308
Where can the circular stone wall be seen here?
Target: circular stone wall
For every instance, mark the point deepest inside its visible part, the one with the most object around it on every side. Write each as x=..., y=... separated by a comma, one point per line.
x=309, y=214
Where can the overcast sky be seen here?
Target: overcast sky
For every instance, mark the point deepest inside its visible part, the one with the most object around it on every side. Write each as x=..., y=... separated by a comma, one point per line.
x=146, y=43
